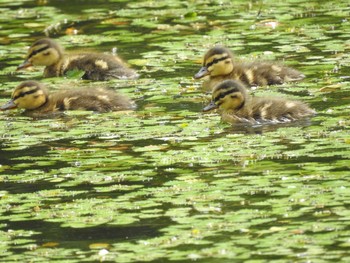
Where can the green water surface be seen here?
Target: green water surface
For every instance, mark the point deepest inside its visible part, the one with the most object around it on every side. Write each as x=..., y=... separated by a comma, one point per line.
x=167, y=183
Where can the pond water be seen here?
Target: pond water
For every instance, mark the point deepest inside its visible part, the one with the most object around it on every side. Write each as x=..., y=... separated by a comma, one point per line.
x=167, y=183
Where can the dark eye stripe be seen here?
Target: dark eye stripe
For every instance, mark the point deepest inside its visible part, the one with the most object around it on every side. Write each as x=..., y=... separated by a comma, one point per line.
x=216, y=60
x=224, y=94
x=22, y=94
x=34, y=52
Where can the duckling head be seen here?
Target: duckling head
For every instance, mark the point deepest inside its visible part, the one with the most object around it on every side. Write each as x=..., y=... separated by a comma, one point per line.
x=228, y=95
x=218, y=61
x=44, y=52
x=29, y=95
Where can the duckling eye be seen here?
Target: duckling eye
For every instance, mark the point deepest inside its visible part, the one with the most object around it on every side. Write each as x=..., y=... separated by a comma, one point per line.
x=234, y=96
x=47, y=53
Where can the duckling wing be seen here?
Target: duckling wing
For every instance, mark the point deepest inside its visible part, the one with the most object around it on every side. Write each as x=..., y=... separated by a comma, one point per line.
x=279, y=109
x=268, y=73
x=94, y=99
x=100, y=67
x=117, y=72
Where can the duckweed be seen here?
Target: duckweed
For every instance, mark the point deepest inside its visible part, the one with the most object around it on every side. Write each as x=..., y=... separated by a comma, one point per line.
x=167, y=182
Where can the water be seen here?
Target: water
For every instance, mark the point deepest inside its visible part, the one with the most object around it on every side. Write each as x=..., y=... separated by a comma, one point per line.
x=168, y=183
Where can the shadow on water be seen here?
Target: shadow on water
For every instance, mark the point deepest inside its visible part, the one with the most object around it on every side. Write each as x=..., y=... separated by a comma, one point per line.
x=69, y=237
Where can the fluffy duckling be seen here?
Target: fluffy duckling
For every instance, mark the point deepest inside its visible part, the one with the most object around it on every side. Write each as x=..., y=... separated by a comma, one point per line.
x=34, y=98
x=232, y=97
x=46, y=52
x=219, y=64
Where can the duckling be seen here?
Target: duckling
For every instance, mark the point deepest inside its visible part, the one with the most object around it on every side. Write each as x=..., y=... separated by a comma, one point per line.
x=219, y=64
x=232, y=97
x=35, y=98
x=46, y=52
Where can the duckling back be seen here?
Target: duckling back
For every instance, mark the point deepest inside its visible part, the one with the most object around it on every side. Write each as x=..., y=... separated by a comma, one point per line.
x=99, y=67
x=92, y=99
x=265, y=73
x=278, y=109
x=219, y=64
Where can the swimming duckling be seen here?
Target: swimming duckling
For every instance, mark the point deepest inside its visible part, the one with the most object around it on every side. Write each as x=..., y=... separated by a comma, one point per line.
x=219, y=64
x=46, y=52
x=232, y=97
x=34, y=97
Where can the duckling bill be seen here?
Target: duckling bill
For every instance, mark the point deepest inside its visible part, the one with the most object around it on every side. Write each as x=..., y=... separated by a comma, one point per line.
x=46, y=52
x=237, y=106
x=34, y=97
x=219, y=64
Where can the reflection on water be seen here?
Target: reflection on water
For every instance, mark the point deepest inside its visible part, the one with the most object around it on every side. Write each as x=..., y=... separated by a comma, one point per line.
x=267, y=127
